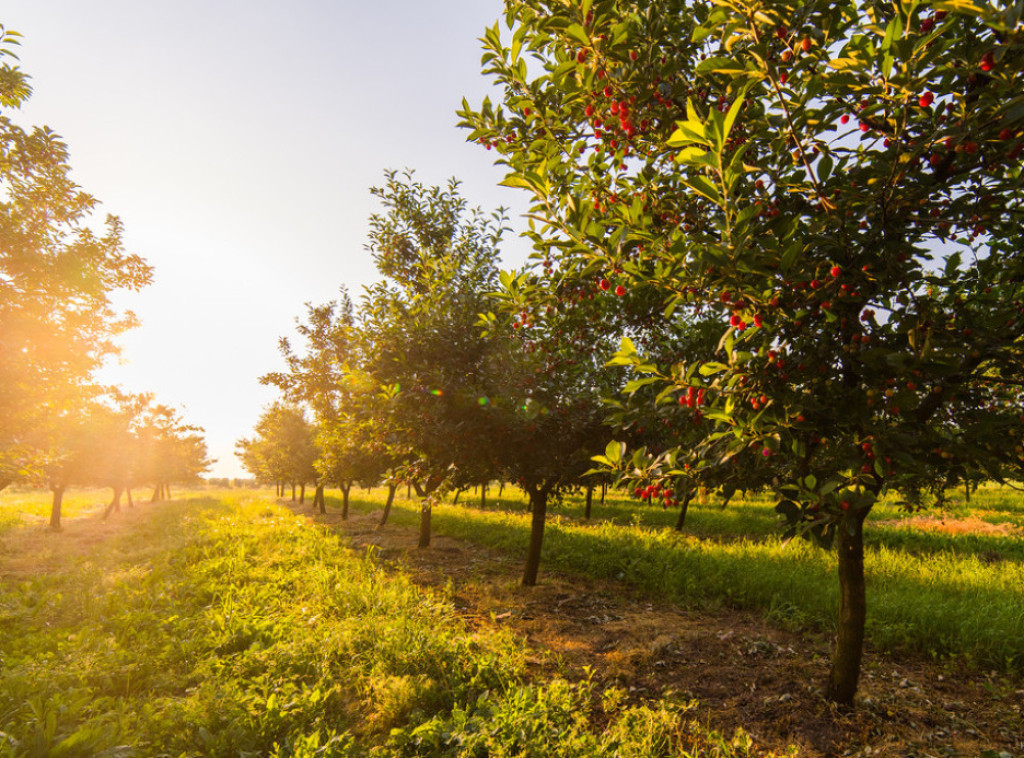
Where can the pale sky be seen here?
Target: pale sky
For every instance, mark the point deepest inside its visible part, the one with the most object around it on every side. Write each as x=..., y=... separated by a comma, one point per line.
x=238, y=141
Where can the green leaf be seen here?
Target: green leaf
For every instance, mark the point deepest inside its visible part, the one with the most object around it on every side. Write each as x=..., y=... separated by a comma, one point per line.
x=708, y=369
x=579, y=34
x=614, y=451
x=703, y=187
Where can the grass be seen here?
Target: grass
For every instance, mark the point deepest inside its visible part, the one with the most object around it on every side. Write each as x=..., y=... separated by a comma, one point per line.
x=933, y=594
x=224, y=625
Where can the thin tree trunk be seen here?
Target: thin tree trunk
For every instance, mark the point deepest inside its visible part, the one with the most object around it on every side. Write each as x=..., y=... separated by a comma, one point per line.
x=345, y=489
x=408, y=491
x=293, y=492
x=483, y=496
x=167, y=490
x=131, y=503
x=302, y=494
x=457, y=493
x=590, y=502
x=387, y=505
x=842, y=685
x=539, y=507
x=58, y=498
x=425, y=510
x=604, y=491
x=156, y=494
x=683, y=506
x=501, y=488
x=115, y=503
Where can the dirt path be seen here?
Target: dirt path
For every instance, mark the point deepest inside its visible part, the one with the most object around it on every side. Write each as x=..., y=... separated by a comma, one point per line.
x=743, y=671
x=34, y=548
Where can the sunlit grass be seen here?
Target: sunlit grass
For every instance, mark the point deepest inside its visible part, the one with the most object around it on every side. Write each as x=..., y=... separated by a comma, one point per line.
x=224, y=625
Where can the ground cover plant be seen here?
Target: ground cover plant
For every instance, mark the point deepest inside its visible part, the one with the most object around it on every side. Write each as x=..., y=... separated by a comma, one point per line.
x=937, y=594
x=223, y=624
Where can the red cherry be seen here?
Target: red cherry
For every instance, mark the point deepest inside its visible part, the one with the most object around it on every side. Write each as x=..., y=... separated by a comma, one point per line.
x=805, y=44
x=589, y=110
x=620, y=290
x=1006, y=135
x=845, y=505
x=633, y=55
x=844, y=119
x=608, y=91
x=836, y=272
x=926, y=100
x=781, y=32
x=604, y=284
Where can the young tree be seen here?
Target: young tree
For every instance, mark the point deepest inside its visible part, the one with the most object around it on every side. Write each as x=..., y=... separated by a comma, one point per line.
x=56, y=274
x=839, y=184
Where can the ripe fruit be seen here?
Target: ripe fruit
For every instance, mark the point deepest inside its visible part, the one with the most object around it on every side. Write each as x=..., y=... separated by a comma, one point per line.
x=581, y=56
x=620, y=290
x=926, y=100
x=805, y=44
x=844, y=119
x=604, y=284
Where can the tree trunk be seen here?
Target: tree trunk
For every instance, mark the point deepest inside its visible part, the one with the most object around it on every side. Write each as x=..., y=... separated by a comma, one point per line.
x=483, y=496
x=345, y=489
x=842, y=685
x=408, y=491
x=319, y=501
x=457, y=493
x=167, y=491
x=604, y=491
x=156, y=494
x=501, y=488
x=387, y=505
x=590, y=502
x=115, y=503
x=128, y=492
x=425, y=509
x=302, y=494
x=539, y=507
x=58, y=498
x=683, y=506
x=293, y=492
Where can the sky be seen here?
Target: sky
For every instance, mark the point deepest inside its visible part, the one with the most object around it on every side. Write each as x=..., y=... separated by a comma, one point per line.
x=237, y=141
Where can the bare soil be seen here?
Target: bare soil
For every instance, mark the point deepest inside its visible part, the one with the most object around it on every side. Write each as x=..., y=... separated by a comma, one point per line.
x=745, y=672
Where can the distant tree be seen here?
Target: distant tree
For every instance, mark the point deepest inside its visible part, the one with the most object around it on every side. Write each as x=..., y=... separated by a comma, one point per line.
x=283, y=448
x=57, y=323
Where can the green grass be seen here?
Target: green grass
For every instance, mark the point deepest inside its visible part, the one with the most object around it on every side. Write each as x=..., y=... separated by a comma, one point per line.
x=223, y=625
x=933, y=594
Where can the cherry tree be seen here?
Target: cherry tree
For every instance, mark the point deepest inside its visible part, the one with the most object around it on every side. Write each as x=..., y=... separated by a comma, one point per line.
x=839, y=185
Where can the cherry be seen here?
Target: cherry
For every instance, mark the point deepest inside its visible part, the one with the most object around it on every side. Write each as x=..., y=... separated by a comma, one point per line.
x=620, y=290
x=836, y=272
x=926, y=100
x=805, y=44
x=604, y=284
x=581, y=56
